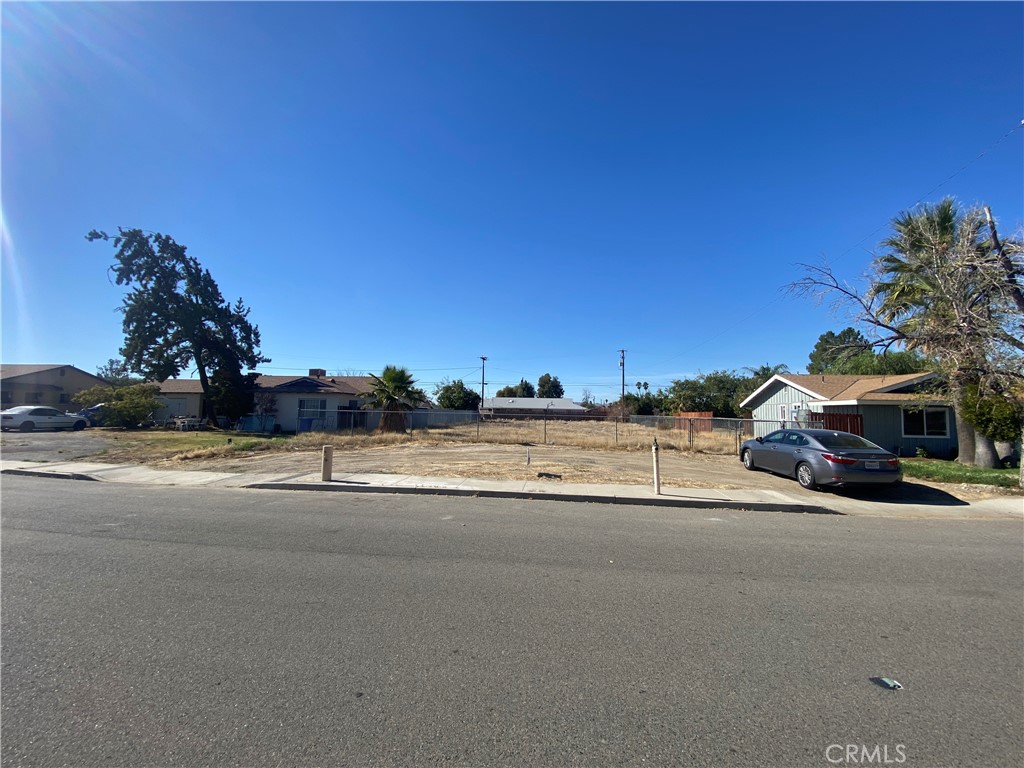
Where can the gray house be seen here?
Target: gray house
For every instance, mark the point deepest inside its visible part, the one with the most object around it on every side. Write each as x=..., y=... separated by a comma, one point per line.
x=530, y=407
x=899, y=413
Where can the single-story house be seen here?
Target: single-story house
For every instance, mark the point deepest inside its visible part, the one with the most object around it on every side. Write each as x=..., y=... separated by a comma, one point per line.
x=49, y=385
x=317, y=402
x=300, y=403
x=181, y=398
x=899, y=413
x=530, y=407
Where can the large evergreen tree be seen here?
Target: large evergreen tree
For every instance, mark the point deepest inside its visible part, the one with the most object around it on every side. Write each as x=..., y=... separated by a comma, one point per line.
x=175, y=316
x=549, y=386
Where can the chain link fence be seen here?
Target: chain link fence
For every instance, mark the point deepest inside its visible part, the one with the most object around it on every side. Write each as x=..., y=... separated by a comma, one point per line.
x=707, y=435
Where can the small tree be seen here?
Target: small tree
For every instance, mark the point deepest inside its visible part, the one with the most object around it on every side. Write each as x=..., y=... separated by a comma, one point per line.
x=122, y=406
x=456, y=396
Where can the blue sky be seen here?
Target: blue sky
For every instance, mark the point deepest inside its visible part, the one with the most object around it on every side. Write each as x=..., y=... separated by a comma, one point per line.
x=544, y=184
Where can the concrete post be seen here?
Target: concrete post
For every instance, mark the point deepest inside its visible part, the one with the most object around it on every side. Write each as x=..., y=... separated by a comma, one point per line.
x=657, y=469
x=327, y=464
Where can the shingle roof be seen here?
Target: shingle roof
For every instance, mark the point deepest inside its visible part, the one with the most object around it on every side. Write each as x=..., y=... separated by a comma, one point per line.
x=181, y=387
x=13, y=370
x=844, y=387
x=342, y=385
x=848, y=386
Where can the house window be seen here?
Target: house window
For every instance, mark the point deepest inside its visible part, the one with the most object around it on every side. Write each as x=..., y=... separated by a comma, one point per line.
x=6, y=396
x=33, y=397
x=65, y=397
x=312, y=409
x=783, y=413
x=926, y=422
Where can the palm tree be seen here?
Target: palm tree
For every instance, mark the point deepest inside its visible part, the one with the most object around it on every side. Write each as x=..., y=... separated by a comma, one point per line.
x=762, y=373
x=930, y=291
x=394, y=392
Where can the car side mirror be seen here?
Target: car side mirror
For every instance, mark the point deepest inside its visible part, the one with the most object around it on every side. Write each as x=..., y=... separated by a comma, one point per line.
x=760, y=439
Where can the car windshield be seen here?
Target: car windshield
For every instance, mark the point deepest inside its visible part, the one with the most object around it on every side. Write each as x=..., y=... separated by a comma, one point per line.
x=836, y=440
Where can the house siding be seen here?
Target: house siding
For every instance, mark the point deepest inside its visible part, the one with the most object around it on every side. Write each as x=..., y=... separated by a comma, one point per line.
x=52, y=387
x=179, y=405
x=883, y=423
x=768, y=416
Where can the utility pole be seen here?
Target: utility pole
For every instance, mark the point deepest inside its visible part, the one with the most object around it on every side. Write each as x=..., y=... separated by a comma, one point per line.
x=622, y=365
x=622, y=400
x=480, y=411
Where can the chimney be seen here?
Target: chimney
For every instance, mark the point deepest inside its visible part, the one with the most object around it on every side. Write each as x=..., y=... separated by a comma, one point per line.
x=317, y=373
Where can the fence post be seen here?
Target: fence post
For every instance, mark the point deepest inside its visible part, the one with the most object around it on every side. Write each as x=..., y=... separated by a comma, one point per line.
x=327, y=463
x=657, y=469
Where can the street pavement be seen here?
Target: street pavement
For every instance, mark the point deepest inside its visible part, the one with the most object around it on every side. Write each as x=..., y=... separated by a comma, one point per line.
x=924, y=503
x=160, y=625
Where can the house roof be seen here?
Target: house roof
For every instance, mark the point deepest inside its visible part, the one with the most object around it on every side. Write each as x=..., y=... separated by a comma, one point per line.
x=531, y=404
x=845, y=388
x=181, y=387
x=341, y=385
x=14, y=370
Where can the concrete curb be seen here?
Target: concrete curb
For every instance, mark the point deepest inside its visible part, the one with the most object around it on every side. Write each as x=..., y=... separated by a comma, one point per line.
x=654, y=501
x=58, y=475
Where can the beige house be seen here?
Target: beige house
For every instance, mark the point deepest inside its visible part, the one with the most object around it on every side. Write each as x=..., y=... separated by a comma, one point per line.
x=301, y=403
x=181, y=398
x=49, y=385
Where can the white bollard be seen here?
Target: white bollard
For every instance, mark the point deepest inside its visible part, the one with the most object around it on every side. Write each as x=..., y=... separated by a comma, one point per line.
x=657, y=469
x=327, y=464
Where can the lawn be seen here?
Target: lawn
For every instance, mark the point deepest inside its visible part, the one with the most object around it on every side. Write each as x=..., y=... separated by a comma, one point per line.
x=950, y=472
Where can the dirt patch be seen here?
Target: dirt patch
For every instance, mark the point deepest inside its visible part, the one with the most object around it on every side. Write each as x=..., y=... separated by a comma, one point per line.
x=679, y=469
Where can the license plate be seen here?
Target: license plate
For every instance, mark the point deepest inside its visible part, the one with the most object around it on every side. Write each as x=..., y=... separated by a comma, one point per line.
x=870, y=465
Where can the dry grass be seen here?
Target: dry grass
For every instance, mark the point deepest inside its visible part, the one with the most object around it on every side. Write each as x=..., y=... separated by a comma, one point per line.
x=157, y=446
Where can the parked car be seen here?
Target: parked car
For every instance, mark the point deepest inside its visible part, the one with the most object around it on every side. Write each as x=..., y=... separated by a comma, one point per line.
x=29, y=417
x=94, y=414
x=818, y=457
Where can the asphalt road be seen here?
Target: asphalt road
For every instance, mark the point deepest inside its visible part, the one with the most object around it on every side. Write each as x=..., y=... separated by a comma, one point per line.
x=159, y=626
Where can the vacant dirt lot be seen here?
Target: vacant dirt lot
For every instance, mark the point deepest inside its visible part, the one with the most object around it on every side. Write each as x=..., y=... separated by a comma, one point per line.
x=680, y=469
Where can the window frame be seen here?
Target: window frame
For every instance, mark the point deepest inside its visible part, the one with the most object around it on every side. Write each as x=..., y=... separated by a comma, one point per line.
x=924, y=413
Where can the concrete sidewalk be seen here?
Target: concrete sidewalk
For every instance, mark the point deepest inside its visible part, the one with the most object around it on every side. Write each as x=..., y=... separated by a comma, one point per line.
x=1008, y=507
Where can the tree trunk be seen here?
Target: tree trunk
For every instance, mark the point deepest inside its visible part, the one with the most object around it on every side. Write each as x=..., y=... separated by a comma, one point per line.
x=209, y=411
x=985, y=452
x=964, y=432
x=392, y=421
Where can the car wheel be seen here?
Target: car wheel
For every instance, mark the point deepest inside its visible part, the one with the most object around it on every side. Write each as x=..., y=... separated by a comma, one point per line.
x=79, y=426
x=805, y=476
x=27, y=426
x=748, y=460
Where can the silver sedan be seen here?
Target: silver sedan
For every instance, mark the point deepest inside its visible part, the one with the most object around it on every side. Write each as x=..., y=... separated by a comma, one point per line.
x=819, y=457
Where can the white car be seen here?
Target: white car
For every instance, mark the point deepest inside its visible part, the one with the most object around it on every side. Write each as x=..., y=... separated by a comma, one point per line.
x=26, y=418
